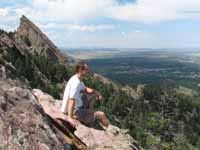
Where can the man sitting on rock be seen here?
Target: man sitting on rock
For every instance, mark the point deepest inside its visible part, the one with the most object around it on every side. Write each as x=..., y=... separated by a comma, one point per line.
x=74, y=105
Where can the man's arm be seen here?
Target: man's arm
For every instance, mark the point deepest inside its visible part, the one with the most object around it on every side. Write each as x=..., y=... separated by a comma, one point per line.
x=89, y=90
x=70, y=109
x=92, y=91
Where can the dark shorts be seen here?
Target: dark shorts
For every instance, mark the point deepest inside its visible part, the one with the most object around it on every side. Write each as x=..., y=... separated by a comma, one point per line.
x=85, y=116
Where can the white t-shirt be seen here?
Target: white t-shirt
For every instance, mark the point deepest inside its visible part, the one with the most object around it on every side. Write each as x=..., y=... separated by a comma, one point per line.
x=73, y=90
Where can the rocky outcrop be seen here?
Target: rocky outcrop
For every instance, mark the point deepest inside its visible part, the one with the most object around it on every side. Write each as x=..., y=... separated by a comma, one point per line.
x=23, y=125
x=31, y=119
x=38, y=42
x=105, y=80
x=111, y=139
x=135, y=93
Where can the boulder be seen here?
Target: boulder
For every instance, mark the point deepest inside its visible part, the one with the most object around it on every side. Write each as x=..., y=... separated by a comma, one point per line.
x=23, y=123
x=38, y=42
x=95, y=139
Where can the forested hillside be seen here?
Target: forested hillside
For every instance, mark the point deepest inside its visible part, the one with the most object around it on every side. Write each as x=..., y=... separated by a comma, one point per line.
x=162, y=119
x=38, y=71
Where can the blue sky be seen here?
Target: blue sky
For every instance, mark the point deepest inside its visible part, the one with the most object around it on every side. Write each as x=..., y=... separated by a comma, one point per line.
x=110, y=23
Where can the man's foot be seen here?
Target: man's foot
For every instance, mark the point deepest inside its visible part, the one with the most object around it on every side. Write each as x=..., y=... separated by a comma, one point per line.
x=112, y=129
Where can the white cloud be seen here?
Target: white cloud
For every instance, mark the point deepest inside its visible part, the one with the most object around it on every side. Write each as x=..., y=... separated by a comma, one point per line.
x=124, y=40
x=7, y=21
x=138, y=31
x=90, y=28
x=155, y=10
x=65, y=9
x=3, y=12
x=78, y=27
x=141, y=10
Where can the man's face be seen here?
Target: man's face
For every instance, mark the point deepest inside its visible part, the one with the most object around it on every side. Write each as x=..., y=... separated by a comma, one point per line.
x=85, y=71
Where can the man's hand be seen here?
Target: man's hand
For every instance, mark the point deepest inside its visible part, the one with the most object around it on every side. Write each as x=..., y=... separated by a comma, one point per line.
x=73, y=121
x=98, y=96
x=92, y=91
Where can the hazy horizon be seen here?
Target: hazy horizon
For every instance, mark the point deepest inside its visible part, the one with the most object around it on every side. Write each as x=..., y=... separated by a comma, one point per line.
x=125, y=48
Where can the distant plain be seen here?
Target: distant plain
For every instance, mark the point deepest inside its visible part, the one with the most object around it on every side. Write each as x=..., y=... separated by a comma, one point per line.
x=144, y=66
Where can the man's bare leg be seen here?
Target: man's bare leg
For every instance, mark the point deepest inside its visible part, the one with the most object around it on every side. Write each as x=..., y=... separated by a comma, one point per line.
x=100, y=116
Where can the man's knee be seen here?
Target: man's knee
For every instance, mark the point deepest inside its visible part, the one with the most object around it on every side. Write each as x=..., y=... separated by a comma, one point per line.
x=99, y=114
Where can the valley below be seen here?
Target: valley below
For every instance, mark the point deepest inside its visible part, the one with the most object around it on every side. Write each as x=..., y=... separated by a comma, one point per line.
x=145, y=66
